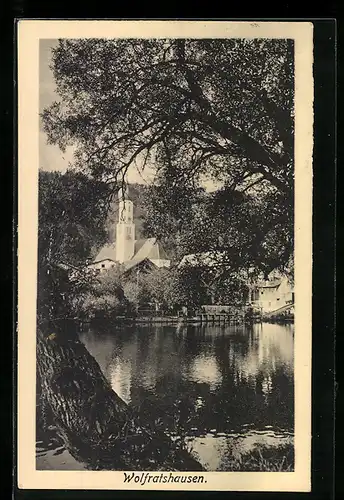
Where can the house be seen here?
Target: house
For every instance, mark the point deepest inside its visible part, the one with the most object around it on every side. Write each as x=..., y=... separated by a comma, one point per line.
x=132, y=254
x=276, y=293
x=272, y=295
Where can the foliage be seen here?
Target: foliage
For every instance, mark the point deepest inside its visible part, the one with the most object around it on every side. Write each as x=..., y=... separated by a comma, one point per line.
x=72, y=211
x=193, y=109
x=62, y=291
x=228, y=289
x=227, y=104
x=168, y=289
x=104, y=296
x=134, y=295
x=52, y=290
x=247, y=231
x=145, y=289
x=190, y=286
x=158, y=286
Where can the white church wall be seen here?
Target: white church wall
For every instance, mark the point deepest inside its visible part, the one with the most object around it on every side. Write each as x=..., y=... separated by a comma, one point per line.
x=125, y=231
x=123, y=249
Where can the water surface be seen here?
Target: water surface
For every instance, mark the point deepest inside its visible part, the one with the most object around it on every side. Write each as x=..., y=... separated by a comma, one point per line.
x=227, y=390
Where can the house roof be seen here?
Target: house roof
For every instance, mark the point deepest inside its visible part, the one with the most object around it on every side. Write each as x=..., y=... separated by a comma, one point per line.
x=107, y=252
x=139, y=244
x=144, y=248
x=130, y=264
x=150, y=249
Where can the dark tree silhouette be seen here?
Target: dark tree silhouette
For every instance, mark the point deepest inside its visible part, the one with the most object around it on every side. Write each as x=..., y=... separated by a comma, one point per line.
x=224, y=107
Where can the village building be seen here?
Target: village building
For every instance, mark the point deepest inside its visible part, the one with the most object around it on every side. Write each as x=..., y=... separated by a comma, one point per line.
x=273, y=295
x=276, y=294
x=131, y=253
x=136, y=255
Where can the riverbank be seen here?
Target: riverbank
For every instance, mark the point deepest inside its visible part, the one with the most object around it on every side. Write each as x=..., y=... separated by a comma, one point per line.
x=260, y=459
x=190, y=320
x=265, y=459
x=283, y=320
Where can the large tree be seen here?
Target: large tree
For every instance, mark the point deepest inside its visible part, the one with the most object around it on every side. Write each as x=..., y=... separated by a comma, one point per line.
x=249, y=232
x=227, y=104
x=193, y=109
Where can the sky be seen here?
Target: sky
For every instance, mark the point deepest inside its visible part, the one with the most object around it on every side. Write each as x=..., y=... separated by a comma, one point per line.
x=51, y=158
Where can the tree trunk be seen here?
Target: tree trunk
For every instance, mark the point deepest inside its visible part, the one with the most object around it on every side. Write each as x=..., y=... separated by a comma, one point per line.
x=96, y=425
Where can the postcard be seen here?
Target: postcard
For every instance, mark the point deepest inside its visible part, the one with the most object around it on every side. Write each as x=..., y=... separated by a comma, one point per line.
x=164, y=255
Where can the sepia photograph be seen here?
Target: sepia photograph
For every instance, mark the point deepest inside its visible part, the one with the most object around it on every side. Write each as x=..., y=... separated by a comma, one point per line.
x=165, y=299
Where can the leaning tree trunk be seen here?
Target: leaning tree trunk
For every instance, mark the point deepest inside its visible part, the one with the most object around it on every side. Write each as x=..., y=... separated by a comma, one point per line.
x=96, y=425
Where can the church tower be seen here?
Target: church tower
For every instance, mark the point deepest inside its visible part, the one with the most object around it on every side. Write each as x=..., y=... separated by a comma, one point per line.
x=125, y=229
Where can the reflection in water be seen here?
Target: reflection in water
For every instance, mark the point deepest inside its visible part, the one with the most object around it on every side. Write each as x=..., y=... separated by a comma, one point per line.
x=120, y=378
x=216, y=453
x=205, y=369
x=228, y=388
x=225, y=389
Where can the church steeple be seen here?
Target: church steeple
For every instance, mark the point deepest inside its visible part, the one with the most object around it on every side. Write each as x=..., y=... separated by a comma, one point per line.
x=125, y=229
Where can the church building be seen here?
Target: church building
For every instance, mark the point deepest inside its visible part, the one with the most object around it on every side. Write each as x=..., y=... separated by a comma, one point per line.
x=126, y=250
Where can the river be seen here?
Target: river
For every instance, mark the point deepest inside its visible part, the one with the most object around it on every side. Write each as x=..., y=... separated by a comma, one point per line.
x=227, y=390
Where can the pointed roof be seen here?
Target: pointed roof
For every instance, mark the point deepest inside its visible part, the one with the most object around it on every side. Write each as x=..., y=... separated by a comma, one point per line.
x=138, y=244
x=150, y=249
x=107, y=252
x=144, y=248
x=130, y=264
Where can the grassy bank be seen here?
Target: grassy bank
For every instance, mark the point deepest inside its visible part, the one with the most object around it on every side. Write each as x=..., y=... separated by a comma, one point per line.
x=264, y=459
